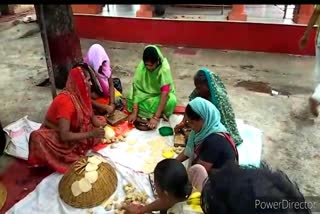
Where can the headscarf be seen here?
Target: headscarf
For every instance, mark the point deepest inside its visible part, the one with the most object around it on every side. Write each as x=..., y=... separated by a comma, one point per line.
x=50, y=149
x=79, y=93
x=219, y=97
x=211, y=123
x=95, y=57
x=148, y=84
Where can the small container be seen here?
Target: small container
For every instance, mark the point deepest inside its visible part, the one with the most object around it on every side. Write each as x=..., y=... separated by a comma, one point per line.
x=166, y=131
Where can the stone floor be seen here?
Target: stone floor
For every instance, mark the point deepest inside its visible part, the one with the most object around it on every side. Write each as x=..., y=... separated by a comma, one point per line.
x=291, y=137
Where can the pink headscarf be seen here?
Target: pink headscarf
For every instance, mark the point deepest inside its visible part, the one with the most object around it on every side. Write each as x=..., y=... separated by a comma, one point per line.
x=95, y=57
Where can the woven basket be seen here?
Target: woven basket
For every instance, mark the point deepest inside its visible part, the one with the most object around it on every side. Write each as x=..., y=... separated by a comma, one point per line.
x=3, y=195
x=102, y=189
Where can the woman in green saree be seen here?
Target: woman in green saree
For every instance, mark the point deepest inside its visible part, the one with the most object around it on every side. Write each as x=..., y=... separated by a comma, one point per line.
x=210, y=87
x=152, y=94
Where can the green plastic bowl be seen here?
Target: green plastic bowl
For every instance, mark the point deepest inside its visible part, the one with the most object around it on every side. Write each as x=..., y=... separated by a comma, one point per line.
x=166, y=131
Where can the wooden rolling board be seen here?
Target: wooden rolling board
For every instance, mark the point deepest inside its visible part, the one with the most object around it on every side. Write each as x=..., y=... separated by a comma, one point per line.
x=179, y=140
x=116, y=118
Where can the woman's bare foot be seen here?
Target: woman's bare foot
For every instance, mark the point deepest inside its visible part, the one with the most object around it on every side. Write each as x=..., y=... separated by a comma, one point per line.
x=314, y=106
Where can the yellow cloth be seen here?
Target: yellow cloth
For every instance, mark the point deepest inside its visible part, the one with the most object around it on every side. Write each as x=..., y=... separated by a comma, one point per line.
x=117, y=93
x=194, y=202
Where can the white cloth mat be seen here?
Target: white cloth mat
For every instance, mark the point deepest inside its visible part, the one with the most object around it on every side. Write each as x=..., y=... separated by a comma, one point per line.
x=45, y=198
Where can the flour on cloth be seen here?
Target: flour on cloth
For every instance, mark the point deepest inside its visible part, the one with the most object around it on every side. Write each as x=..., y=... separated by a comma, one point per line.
x=141, y=151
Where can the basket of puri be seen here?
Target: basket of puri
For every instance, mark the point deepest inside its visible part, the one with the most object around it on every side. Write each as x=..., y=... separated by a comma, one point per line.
x=88, y=183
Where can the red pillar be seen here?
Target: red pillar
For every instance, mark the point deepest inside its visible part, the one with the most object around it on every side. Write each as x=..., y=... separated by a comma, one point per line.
x=145, y=10
x=304, y=14
x=87, y=8
x=237, y=13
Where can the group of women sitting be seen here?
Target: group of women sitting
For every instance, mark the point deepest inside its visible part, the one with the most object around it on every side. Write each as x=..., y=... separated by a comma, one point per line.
x=71, y=126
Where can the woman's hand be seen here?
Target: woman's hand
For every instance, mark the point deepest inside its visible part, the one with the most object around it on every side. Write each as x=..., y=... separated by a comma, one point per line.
x=153, y=123
x=98, y=122
x=178, y=127
x=132, y=208
x=110, y=109
x=97, y=133
x=182, y=157
x=132, y=117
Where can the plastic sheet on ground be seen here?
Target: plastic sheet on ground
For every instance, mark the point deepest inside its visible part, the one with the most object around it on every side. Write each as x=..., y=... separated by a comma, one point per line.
x=45, y=198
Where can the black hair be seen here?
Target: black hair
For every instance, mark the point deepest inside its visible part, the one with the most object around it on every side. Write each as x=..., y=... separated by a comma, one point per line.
x=200, y=77
x=239, y=189
x=172, y=176
x=87, y=70
x=150, y=54
x=192, y=114
x=83, y=66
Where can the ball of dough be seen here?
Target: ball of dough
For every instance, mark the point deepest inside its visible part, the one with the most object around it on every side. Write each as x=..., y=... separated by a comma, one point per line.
x=108, y=207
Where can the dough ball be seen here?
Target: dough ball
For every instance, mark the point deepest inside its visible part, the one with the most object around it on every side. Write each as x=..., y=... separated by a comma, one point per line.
x=117, y=206
x=108, y=207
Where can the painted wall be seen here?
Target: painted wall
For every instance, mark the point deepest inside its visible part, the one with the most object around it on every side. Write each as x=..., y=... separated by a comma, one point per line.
x=273, y=38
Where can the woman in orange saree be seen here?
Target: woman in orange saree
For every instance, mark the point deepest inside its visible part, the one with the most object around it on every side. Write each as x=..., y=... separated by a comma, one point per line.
x=70, y=129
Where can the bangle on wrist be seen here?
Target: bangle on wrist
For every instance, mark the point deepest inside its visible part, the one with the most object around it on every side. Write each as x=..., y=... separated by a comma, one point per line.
x=155, y=117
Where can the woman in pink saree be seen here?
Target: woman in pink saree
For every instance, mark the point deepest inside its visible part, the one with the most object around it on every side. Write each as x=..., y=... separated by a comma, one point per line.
x=99, y=61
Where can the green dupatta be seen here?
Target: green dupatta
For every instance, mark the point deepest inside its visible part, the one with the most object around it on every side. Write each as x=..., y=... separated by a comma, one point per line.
x=148, y=85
